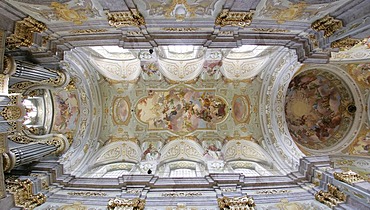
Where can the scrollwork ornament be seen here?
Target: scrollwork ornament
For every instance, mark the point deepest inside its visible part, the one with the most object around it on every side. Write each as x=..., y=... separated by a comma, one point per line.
x=243, y=202
x=24, y=31
x=273, y=192
x=240, y=19
x=87, y=194
x=120, y=203
x=11, y=113
x=122, y=19
x=271, y=30
x=35, y=130
x=348, y=177
x=182, y=194
x=9, y=65
x=19, y=87
x=23, y=193
x=88, y=31
x=57, y=81
x=331, y=198
x=21, y=139
x=57, y=142
x=328, y=24
x=7, y=162
x=345, y=43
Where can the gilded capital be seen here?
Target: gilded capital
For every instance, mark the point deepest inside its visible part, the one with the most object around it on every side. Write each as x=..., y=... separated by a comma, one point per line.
x=9, y=65
x=327, y=24
x=22, y=191
x=24, y=32
x=57, y=81
x=123, y=19
x=228, y=18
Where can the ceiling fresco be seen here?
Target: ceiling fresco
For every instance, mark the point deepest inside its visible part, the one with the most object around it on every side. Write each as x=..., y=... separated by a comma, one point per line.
x=180, y=9
x=181, y=110
x=153, y=104
x=285, y=10
x=62, y=11
x=66, y=111
x=318, y=109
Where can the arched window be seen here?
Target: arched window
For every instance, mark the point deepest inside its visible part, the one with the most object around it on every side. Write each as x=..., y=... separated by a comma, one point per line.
x=31, y=112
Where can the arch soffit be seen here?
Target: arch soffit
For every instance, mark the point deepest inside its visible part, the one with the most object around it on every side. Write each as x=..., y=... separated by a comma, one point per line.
x=180, y=150
x=242, y=150
x=121, y=151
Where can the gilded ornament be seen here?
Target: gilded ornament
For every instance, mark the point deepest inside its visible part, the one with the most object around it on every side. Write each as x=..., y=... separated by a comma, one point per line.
x=21, y=139
x=270, y=30
x=35, y=93
x=313, y=40
x=7, y=162
x=9, y=65
x=331, y=198
x=182, y=194
x=240, y=19
x=22, y=191
x=328, y=24
x=244, y=202
x=87, y=194
x=345, y=43
x=57, y=81
x=20, y=87
x=88, y=31
x=4, y=81
x=11, y=113
x=273, y=192
x=24, y=31
x=180, y=29
x=3, y=139
x=123, y=19
x=348, y=177
x=58, y=142
x=14, y=125
x=120, y=203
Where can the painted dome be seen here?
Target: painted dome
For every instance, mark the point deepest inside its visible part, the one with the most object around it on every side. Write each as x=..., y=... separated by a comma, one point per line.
x=316, y=109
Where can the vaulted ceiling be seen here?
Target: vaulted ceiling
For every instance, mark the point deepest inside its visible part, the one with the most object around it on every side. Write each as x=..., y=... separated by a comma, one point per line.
x=148, y=73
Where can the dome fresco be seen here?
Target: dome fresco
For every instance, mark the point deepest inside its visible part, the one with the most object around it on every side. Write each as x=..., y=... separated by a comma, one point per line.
x=316, y=109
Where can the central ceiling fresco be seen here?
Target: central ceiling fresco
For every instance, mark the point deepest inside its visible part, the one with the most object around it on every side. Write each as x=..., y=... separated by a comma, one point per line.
x=209, y=104
x=178, y=91
x=181, y=110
